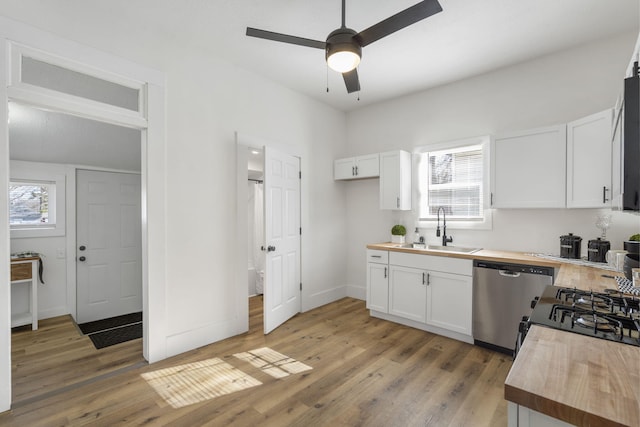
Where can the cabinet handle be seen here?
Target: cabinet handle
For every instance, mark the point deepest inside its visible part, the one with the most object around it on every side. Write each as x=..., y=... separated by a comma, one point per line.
x=356, y=171
x=424, y=278
x=428, y=279
x=385, y=272
x=491, y=201
x=353, y=171
x=376, y=256
x=397, y=202
x=604, y=194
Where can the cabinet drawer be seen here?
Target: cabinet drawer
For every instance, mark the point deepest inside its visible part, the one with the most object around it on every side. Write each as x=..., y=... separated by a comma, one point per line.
x=21, y=271
x=380, y=257
x=433, y=263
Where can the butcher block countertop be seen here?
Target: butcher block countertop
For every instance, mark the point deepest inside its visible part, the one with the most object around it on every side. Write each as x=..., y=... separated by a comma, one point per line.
x=581, y=380
x=578, y=379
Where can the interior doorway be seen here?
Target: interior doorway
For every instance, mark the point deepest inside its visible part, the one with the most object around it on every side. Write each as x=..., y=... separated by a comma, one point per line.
x=278, y=246
x=42, y=140
x=21, y=42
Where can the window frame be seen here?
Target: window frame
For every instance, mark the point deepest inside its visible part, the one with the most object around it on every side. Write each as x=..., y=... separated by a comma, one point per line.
x=24, y=172
x=486, y=222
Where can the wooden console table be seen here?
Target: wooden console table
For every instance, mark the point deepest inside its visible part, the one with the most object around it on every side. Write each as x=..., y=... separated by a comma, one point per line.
x=25, y=270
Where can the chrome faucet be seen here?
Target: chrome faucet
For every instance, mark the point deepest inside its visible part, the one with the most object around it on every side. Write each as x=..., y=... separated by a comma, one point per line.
x=445, y=239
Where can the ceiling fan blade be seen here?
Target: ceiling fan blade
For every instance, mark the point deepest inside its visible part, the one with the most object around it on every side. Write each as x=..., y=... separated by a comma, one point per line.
x=284, y=38
x=351, y=80
x=409, y=16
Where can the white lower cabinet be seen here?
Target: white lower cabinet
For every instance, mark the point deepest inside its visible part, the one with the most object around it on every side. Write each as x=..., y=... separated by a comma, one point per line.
x=378, y=280
x=408, y=293
x=521, y=416
x=378, y=287
x=428, y=292
x=449, y=301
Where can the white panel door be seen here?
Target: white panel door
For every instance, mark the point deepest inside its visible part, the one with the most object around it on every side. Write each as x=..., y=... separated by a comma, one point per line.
x=109, y=255
x=282, y=236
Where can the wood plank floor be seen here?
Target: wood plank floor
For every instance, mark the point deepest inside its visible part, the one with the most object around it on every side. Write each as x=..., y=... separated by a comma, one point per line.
x=57, y=355
x=366, y=372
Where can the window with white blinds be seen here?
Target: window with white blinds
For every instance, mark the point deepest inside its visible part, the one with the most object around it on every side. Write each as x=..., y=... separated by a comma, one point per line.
x=452, y=179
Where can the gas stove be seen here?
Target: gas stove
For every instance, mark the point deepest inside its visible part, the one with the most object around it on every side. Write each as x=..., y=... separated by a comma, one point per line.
x=608, y=315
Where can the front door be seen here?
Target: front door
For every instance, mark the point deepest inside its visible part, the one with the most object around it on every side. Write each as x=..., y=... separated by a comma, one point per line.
x=108, y=252
x=282, y=237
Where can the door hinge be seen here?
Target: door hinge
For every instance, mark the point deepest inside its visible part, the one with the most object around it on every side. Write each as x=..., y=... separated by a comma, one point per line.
x=300, y=285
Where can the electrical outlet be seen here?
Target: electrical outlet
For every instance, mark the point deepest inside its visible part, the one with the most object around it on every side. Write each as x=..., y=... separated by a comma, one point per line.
x=60, y=253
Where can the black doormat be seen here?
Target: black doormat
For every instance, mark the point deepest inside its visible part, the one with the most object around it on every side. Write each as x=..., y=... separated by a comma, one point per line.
x=116, y=335
x=114, y=330
x=111, y=322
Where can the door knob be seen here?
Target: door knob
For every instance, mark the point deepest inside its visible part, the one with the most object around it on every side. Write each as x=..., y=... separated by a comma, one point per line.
x=82, y=258
x=271, y=248
x=82, y=248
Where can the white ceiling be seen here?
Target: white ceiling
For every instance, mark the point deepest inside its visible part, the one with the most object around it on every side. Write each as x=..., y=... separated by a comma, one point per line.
x=49, y=137
x=467, y=38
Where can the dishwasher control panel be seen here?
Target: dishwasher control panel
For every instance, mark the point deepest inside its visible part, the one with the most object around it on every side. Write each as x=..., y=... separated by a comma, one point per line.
x=518, y=268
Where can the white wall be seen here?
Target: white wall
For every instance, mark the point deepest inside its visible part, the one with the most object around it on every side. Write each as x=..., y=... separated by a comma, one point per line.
x=207, y=100
x=550, y=90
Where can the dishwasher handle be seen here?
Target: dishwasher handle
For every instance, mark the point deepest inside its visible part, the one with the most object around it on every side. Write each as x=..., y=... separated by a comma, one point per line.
x=509, y=273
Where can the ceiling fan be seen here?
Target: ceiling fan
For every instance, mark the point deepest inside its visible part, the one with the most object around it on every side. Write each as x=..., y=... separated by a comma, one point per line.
x=343, y=47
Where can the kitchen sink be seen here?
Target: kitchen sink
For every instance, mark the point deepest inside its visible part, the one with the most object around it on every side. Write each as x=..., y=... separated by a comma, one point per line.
x=459, y=249
x=423, y=247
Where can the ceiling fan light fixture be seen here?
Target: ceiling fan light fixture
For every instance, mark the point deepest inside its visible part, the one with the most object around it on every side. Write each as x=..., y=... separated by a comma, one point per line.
x=343, y=52
x=343, y=61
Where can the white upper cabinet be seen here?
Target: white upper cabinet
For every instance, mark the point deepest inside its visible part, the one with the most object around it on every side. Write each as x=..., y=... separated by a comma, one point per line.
x=357, y=167
x=395, y=180
x=589, y=161
x=529, y=169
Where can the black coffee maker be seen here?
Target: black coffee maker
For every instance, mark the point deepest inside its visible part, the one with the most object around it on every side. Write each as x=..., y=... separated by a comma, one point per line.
x=597, y=250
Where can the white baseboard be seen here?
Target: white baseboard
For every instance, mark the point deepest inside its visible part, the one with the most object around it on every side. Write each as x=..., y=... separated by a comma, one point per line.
x=357, y=292
x=321, y=298
x=52, y=312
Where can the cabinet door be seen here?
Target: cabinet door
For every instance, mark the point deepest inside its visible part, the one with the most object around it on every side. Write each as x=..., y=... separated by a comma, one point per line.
x=528, y=169
x=378, y=287
x=395, y=180
x=368, y=166
x=589, y=161
x=616, y=161
x=344, y=168
x=449, y=301
x=408, y=293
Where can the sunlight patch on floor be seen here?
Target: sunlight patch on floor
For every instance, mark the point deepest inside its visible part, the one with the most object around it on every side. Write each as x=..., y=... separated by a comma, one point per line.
x=273, y=363
x=199, y=381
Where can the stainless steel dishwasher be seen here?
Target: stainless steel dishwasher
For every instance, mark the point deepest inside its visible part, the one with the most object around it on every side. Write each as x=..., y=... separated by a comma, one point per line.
x=502, y=295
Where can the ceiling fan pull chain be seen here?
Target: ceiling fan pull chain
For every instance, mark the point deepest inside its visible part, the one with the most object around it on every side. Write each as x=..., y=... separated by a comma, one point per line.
x=358, y=88
x=327, y=78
